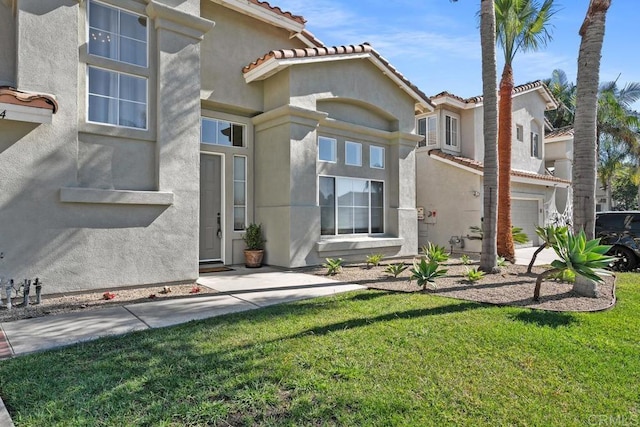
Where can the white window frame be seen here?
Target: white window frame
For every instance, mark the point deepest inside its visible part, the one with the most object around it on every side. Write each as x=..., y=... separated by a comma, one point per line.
x=536, y=149
x=334, y=149
x=372, y=148
x=117, y=66
x=246, y=162
x=346, y=153
x=520, y=133
x=452, y=130
x=430, y=130
x=229, y=122
x=336, y=206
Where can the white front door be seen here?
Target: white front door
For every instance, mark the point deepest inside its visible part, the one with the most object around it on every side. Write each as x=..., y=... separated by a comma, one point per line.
x=211, y=221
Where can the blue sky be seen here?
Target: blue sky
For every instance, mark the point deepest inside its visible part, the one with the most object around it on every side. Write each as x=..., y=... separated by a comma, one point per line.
x=436, y=43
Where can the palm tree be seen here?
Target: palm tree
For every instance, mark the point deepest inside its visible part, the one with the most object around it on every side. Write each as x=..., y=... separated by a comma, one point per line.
x=489, y=255
x=522, y=25
x=565, y=92
x=585, y=137
x=611, y=157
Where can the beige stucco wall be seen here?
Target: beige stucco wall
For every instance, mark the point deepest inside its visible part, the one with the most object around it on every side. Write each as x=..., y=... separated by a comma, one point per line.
x=448, y=191
x=91, y=239
x=236, y=41
x=528, y=111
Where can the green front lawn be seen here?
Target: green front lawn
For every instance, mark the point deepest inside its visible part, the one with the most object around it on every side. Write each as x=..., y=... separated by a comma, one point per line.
x=363, y=358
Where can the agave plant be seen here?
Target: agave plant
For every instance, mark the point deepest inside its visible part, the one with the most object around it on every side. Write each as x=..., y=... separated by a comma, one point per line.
x=333, y=265
x=435, y=253
x=473, y=274
x=373, y=260
x=582, y=257
x=548, y=236
x=396, y=269
x=426, y=272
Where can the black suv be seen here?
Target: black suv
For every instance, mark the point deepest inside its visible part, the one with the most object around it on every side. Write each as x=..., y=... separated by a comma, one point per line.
x=622, y=231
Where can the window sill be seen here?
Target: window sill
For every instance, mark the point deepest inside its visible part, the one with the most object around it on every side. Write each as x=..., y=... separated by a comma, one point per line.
x=115, y=197
x=355, y=243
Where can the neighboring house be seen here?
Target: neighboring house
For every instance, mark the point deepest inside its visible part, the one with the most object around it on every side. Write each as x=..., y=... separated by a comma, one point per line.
x=142, y=139
x=449, y=167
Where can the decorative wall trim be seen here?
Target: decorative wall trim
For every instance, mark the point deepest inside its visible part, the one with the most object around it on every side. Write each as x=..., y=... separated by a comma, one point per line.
x=171, y=19
x=116, y=197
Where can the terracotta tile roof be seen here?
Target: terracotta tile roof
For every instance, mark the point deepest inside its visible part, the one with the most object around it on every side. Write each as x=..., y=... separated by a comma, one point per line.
x=564, y=131
x=477, y=99
x=10, y=95
x=479, y=166
x=334, y=50
x=265, y=4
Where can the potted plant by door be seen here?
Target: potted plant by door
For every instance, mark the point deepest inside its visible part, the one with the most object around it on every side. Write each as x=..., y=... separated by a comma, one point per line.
x=254, y=241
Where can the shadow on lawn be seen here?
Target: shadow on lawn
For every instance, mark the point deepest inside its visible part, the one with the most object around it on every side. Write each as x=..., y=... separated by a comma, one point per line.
x=409, y=314
x=546, y=318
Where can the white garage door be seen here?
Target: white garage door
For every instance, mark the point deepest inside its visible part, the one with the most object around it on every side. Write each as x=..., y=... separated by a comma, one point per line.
x=524, y=214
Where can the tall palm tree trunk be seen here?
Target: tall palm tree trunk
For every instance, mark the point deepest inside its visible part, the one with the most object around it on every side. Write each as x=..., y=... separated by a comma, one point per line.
x=488, y=257
x=584, y=140
x=505, y=238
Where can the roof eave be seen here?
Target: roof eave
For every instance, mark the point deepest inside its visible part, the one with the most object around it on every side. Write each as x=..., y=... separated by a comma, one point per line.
x=273, y=66
x=262, y=14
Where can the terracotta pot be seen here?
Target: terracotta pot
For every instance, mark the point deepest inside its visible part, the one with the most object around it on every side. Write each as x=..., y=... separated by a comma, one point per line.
x=253, y=259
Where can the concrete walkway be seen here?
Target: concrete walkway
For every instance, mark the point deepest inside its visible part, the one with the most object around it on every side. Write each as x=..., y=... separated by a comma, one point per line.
x=239, y=290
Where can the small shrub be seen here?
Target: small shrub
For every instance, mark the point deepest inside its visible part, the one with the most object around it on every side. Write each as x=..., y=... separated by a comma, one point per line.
x=465, y=259
x=473, y=274
x=426, y=272
x=333, y=266
x=374, y=260
x=396, y=269
x=435, y=253
x=501, y=261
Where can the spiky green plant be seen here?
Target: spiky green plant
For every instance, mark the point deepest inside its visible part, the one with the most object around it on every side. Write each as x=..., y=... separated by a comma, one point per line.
x=396, y=269
x=426, y=272
x=333, y=265
x=465, y=259
x=473, y=274
x=435, y=253
x=582, y=257
x=501, y=261
x=374, y=260
x=548, y=236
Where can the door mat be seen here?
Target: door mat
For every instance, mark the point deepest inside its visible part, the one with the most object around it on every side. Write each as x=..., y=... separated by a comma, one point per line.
x=214, y=268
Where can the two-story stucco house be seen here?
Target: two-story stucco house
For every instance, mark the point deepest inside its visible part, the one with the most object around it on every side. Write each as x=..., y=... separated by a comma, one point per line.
x=140, y=137
x=450, y=169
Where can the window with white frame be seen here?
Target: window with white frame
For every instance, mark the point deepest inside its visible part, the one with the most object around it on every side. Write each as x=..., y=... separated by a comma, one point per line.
x=427, y=127
x=115, y=97
x=221, y=132
x=452, y=131
x=327, y=149
x=352, y=153
x=239, y=192
x=520, y=133
x=535, y=145
x=376, y=157
x=350, y=206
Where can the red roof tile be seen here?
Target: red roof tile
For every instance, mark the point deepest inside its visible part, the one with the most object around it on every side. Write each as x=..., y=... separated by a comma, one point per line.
x=329, y=51
x=564, y=131
x=479, y=166
x=477, y=99
x=264, y=4
x=10, y=95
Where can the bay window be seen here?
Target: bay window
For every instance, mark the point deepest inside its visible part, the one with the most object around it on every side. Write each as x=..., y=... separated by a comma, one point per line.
x=451, y=131
x=427, y=127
